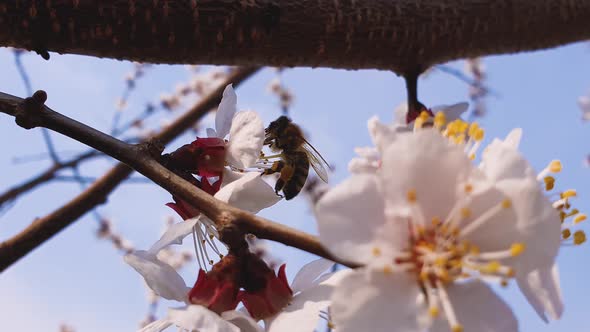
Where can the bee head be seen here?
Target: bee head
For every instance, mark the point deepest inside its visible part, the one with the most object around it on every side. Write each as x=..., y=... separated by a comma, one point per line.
x=278, y=125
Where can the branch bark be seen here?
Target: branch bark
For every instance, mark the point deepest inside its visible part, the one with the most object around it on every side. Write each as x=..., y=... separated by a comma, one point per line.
x=44, y=228
x=398, y=35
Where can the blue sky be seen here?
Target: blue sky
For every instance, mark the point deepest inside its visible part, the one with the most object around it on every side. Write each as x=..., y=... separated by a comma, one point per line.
x=78, y=279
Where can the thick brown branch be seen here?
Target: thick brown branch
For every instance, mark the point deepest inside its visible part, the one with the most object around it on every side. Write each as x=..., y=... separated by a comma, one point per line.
x=44, y=228
x=382, y=34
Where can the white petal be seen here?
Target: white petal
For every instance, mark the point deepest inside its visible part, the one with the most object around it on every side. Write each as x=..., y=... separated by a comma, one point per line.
x=246, y=137
x=500, y=160
x=542, y=290
x=400, y=113
x=244, y=322
x=362, y=165
x=381, y=134
x=430, y=166
x=159, y=276
x=513, y=138
x=477, y=308
x=452, y=112
x=156, y=326
x=199, y=319
x=352, y=223
x=211, y=132
x=174, y=235
x=309, y=273
x=225, y=111
x=368, y=161
x=302, y=314
x=250, y=192
x=372, y=300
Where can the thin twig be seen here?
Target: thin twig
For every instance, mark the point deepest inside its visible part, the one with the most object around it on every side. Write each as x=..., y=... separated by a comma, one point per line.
x=44, y=228
x=49, y=174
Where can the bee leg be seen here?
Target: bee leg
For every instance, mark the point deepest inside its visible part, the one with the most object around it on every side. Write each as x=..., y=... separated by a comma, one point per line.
x=276, y=167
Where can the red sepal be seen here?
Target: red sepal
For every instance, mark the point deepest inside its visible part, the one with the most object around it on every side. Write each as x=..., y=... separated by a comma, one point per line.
x=270, y=299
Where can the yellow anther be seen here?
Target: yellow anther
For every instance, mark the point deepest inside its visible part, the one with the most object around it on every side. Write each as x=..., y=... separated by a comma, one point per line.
x=376, y=252
x=510, y=273
x=506, y=203
x=387, y=269
x=579, y=237
x=331, y=325
x=569, y=193
x=579, y=218
x=474, y=250
x=424, y=115
x=472, y=156
x=478, y=135
x=572, y=212
x=436, y=220
x=555, y=166
x=423, y=276
x=459, y=139
x=473, y=128
x=411, y=196
x=504, y=283
x=465, y=212
x=549, y=182
x=440, y=119
x=492, y=267
x=440, y=261
x=517, y=249
x=457, y=328
x=433, y=312
x=566, y=233
x=468, y=188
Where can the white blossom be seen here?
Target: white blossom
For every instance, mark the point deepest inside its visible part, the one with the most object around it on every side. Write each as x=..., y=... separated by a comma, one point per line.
x=430, y=227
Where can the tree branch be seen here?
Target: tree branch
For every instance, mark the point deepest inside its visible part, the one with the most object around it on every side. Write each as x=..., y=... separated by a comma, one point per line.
x=49, y=174
x=383, y=34
x=44, y=228
x=143, y=158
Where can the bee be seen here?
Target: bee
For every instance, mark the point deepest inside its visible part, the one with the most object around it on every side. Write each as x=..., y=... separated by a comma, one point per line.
x=296, y=156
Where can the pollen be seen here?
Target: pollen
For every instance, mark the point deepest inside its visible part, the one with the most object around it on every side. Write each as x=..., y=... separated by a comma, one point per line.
x=566, y=233
x=465, y=213
x=506, y=203
x=411, y=196
x=436, y=221
x=555, y=166
x=549, y=182
x=492, y=267
x=569, y=193
x=468, y=188
x=387, y=270
x=579, y=218
x=457, y=328
x=579, y=237
x=478, y=135
x=517, y=249
x=433, y=311
x=440, y=120
x=376, y=252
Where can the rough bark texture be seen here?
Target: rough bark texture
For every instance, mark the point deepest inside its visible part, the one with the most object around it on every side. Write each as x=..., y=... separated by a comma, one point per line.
x=384, y=34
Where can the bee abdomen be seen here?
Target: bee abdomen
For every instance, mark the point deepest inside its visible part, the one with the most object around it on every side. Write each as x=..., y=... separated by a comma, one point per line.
x=296, y=182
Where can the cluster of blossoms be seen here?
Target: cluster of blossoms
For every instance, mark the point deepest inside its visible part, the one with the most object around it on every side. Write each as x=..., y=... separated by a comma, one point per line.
x=432, y=229
x=429, y=227
x=216, y=165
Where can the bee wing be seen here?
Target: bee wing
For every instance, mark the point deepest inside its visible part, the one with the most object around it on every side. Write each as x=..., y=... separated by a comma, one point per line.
x=319, y=164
